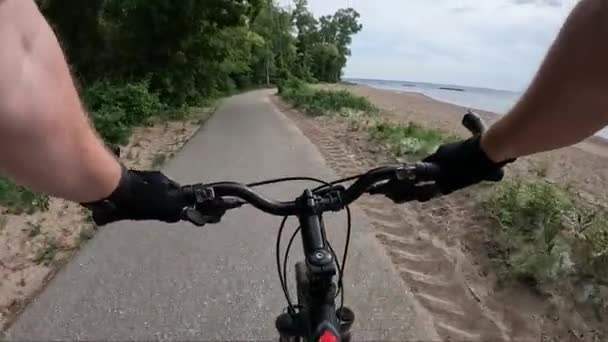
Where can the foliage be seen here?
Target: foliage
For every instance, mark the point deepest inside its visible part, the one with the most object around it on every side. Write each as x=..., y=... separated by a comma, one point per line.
x=47, y=253
x=530, y=217
x=530, y=206
x=320, y=101
x=322, y=45
x=590, y=242
x=543, y=232
x=190, y=49
x=132, y=58
x=275, y=59
x=408, y=139
x=19, y=199
x=116, y=106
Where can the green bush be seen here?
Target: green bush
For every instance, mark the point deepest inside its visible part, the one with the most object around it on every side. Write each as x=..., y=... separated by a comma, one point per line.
x=294, y=83
x=532, y=236
x=337, y=101
x=109, y=121
x=134, y=98
x=319, y=102
x=529, y=206
x=116, y=106
x=408, y=139
x=590, y=243
x=19, y=199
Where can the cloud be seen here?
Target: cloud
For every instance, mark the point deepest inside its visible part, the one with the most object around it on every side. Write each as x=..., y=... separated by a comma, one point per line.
x=497, y=43
x=551, y=3
x=462, y=9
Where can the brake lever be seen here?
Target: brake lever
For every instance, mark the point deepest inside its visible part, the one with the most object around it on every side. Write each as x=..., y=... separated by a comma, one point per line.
x=410, y=182
x=207, y=208
x=210, y=211
x=400, y=192
x=473, y=122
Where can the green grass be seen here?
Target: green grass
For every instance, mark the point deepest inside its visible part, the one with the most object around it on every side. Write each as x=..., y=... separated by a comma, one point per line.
x=590, y=243
x=545, y=234
x=19, y=199
x=529, y=218
x=401, y=139
x=408, y=139
x=47, y=253
x=318, y=102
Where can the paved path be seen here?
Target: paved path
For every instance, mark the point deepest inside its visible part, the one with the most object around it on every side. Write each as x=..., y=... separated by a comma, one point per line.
x=141, y=281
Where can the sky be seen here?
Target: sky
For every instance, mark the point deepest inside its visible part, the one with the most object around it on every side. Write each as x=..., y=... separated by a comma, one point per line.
x=485, y=43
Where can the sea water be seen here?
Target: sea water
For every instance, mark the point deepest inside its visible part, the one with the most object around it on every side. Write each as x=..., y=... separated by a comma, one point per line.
x=491, y=100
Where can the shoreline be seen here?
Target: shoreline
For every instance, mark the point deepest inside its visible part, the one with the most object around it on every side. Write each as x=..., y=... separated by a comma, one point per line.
x=582, y=165
x=596, y=145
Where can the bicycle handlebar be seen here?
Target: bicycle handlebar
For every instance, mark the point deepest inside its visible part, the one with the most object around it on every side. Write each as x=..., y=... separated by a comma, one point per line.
x=211, y=201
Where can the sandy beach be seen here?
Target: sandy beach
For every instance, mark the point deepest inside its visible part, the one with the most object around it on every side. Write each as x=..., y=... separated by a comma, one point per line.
x=585, y=165
x=442, y=249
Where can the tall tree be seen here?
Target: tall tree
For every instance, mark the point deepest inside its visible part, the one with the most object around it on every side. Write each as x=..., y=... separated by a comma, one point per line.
x=278, y=54
x=346, y=25
x=335, y=32
x=190, y=49
x=308, y=35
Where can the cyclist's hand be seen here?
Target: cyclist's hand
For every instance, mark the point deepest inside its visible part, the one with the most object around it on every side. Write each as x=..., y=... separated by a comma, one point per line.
x=405, y=191
x=464, y=163
x=141, y=195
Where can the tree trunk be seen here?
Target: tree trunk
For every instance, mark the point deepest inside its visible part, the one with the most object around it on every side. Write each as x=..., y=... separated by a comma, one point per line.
x=267, y=73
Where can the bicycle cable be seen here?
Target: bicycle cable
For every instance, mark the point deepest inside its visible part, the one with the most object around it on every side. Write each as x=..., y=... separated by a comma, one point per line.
x=340, y=266
x=293, y=236
x=335, y=256
x=343, y=180
x=283, y=278
x=278, y=257
x=286, y=179
x=346, y=245
x=345, y=255
x=347, y=179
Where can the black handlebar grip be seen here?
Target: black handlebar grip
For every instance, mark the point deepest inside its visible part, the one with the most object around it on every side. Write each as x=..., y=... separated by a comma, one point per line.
x=427, y=171
x=473, y=123
x=496, y=176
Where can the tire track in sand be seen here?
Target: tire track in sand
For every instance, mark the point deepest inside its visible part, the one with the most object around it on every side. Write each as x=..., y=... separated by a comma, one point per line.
x=427, y=266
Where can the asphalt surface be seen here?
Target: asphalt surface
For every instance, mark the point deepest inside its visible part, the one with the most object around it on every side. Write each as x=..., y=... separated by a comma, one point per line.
x=147, y=280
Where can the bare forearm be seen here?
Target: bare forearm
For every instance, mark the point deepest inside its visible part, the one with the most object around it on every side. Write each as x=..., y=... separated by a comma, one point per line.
x=46, y=141
x=568, y=99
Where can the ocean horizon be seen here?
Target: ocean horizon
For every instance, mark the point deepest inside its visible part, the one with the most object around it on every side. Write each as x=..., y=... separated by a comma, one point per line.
x=492, y=100
x=486, y=99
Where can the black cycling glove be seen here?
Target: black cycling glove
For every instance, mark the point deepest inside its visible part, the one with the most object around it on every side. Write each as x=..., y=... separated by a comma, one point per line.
x=140, y=195
x=464, y=163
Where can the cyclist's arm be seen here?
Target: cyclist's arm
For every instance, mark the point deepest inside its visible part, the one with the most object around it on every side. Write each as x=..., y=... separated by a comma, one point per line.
x=568, y=98
x=46, y=141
